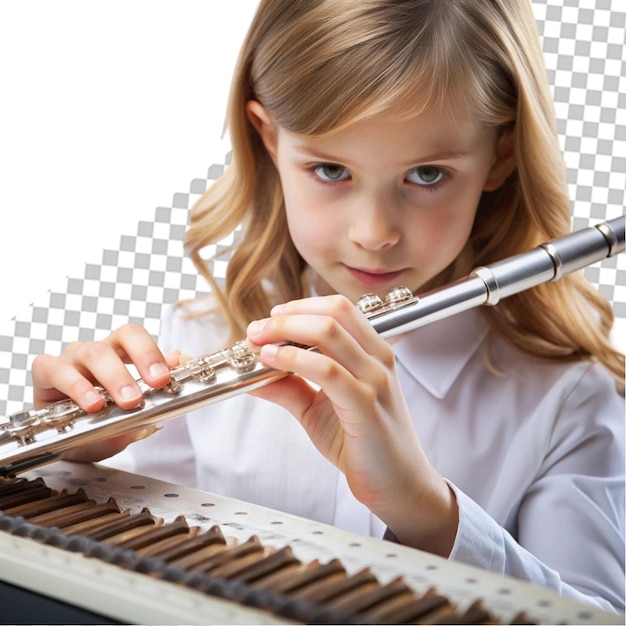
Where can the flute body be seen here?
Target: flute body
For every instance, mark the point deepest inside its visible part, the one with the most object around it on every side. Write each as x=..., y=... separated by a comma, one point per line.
x=33, y=437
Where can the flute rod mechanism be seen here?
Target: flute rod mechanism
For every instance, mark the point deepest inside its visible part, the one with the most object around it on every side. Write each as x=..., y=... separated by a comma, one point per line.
x=34, y=437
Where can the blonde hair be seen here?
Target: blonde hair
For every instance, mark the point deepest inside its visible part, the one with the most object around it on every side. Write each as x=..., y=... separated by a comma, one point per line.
x=319, y=66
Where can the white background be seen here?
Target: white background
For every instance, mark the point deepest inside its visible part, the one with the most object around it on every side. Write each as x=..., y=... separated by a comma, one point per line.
x=108, y=108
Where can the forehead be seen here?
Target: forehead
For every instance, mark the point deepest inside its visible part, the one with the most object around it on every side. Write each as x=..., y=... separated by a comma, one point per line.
x=395, y=137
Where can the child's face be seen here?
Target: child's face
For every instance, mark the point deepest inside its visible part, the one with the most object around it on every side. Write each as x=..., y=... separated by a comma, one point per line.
x=386, y=201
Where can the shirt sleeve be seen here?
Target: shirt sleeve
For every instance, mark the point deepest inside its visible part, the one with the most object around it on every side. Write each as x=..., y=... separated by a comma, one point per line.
x=568, y=533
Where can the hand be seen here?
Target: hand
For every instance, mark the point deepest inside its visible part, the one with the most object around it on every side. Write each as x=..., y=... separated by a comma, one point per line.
x=358, y=417
x=83, y=365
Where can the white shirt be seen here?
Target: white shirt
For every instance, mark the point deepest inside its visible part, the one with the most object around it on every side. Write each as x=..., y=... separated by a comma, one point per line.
x=534, y=451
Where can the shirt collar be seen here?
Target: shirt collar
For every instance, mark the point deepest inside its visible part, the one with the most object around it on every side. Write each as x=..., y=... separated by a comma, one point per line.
x=435, y=354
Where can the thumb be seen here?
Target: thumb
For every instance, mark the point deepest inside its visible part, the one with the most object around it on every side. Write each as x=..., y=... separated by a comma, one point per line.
x=292, y=392
x=107, y=447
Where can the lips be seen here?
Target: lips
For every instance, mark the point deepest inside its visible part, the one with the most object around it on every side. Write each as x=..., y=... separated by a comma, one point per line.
x=374, y=278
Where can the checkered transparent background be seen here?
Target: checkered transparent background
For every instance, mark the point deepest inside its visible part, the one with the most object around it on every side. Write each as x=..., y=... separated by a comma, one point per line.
x=583, y=41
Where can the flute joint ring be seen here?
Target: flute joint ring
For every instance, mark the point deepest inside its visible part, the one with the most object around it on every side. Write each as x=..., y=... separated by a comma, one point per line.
x=491, y=284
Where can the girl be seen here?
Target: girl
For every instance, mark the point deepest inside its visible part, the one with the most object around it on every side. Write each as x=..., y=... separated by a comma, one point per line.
x=378, y=143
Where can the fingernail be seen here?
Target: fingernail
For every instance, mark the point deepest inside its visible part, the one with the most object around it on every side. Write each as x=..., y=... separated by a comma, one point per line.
x=128, y=393
x=256, y=328
x=269, y=350
x=277, y=309
x=92, y=398
x=156, y=370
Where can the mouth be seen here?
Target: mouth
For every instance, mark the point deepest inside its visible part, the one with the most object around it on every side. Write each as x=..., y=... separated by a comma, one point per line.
x=374, y=278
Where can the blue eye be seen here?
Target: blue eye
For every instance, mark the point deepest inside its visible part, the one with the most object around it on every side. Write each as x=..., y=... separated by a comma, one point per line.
x=425, y=175
x=331, y=172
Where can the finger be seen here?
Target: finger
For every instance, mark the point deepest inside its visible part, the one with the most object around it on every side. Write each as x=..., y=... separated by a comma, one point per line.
x=291, y=392
x=336, y=306
x=351, y=399
x=323, y=332
x=360, y=355
x=174, y=358
x=55, y=379
x=297, y=396
x=346, y=315
x=99, y=363
x=135, y=345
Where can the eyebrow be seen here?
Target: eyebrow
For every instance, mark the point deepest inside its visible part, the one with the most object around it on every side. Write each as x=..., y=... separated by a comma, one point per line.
x=314, y=153
x=439, y=156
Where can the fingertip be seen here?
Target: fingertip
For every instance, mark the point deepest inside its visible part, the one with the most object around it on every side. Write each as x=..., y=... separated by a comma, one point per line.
x=92, y=401
x=256, y=328
x=129, y=396
x=173, y=358
x=269, y=353
x=159, y=373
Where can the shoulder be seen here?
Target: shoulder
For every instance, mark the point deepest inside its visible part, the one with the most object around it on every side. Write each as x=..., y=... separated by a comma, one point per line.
x=578, y=385
x=193, y=327
x=573, y=404
x=575, y=378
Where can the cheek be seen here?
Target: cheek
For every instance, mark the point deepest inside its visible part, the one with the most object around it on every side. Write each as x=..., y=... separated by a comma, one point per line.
x=307, y=229
x=442, y=229
x=309, y=217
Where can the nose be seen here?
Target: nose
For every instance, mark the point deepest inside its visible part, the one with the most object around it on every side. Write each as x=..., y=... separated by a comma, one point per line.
x=373, y=225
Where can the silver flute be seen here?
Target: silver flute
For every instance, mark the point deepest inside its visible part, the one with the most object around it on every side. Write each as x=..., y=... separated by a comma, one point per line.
x=34, y=437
